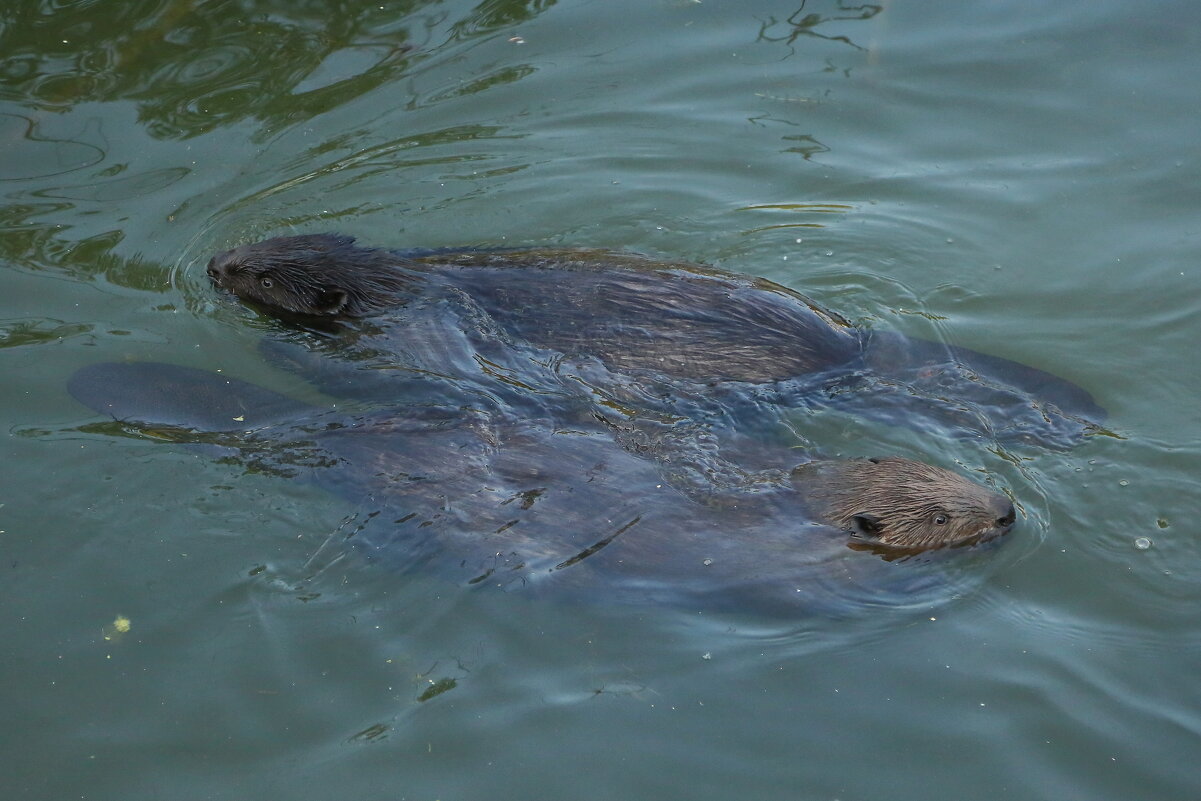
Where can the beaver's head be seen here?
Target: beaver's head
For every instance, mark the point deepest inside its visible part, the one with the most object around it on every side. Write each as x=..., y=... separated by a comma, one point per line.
x=903, y=504
x=319, y=275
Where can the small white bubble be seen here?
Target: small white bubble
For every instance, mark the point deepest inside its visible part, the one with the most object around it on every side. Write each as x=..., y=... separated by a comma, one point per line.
x=1123, y=483
x=1142, y=543
x=707, y=562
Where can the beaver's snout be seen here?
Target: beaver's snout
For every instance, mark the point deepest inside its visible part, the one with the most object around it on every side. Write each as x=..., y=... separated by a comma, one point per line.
x=1006, y=514
x=214, y=271
x=899, y=503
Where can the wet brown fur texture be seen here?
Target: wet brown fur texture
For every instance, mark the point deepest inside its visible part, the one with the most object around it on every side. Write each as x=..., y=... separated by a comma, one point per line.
x=889, y=502
x=297, y=275
x=889, y=505
x=904, y=504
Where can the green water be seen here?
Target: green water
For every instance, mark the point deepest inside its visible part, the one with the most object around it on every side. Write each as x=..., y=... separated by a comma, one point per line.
x=1018, y=178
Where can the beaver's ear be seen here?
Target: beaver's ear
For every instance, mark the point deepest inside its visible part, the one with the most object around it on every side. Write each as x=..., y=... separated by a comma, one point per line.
x=865, y=526
x=332, y=301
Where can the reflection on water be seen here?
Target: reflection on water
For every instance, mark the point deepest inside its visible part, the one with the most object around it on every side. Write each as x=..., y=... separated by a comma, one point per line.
x=193, y=67
x=22, y=333
x=24, y=145
x=803, y=22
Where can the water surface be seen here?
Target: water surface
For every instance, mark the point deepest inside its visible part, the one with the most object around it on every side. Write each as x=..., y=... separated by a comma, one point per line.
x=1018, y=179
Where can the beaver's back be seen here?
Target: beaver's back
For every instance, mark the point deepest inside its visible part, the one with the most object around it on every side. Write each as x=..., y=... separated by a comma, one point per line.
x=632, y=313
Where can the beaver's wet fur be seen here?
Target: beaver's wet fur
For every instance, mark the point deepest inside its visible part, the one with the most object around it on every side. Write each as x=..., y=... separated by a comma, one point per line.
x=473, y=462
x=630, y=312
x=901, y=503
x=669, y=321
x=317, y=275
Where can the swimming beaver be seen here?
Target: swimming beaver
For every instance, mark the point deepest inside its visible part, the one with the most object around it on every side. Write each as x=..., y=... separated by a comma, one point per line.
x=648, y=324
x=502, y=501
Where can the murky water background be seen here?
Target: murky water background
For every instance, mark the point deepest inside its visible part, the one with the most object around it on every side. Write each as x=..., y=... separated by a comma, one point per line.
x=1019, y=179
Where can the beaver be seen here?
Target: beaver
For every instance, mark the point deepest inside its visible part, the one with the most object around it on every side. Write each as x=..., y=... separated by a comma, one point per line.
x=625, y=324
x=512, y=503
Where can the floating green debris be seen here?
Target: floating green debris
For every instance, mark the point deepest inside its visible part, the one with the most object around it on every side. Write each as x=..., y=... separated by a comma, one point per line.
x=118, y=628
x=437, y=688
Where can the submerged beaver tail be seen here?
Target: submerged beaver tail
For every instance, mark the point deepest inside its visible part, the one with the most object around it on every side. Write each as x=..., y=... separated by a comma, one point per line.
x=901, y=503
x=322, y=275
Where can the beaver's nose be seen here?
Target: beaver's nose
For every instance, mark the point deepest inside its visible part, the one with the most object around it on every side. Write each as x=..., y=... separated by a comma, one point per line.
x=1006, y=514
x=214, y=271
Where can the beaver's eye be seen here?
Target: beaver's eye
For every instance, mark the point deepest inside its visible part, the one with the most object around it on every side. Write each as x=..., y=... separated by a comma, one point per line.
x=940, y=520
x=266, y=283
